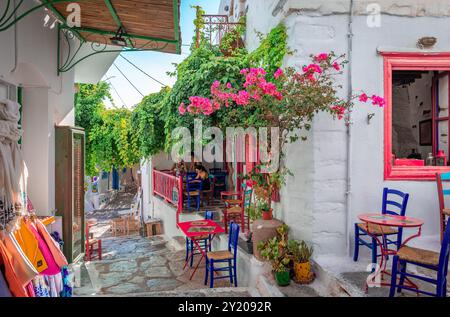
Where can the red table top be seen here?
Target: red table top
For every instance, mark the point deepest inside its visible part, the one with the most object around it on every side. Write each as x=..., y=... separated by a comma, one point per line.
x=391, y=220
x=200, y=227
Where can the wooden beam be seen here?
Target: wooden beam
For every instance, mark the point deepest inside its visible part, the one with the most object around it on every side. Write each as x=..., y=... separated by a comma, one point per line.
x=116, y=19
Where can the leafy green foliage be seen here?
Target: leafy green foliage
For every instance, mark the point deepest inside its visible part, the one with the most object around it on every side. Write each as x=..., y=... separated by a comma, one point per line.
x=114, y=141
x=147, y=123
x=271, y=51
x=275, y=250
x=299, y=251
x=109, y=137
x=88, y=114
x=194, y=77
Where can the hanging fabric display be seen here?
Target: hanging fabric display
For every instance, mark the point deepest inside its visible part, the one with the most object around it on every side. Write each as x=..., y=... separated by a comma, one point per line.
x=31, y=261
x=13, y=172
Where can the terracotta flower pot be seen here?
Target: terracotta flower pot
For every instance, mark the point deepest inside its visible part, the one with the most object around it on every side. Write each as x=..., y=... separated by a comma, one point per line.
x=303, y=273
x=267, y=215
x=282, y=278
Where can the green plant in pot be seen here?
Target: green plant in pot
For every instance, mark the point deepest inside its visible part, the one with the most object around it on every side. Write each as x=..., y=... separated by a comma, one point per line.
x=232, y=43
x=264, y=185
x=300, y=254
x=275, y=250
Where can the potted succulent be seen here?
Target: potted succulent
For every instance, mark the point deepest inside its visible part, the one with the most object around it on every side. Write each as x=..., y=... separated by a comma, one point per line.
x=275, y=250
x=300, y=254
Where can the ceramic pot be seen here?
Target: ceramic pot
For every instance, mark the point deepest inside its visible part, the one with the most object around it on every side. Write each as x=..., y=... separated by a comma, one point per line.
x=282, y=278
x=302, y=272
x=267, y=215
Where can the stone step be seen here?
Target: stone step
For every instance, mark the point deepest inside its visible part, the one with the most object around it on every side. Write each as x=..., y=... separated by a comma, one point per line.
x=204, y=292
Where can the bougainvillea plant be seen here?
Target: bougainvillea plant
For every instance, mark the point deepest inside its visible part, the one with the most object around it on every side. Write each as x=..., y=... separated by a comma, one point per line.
x=289, y=102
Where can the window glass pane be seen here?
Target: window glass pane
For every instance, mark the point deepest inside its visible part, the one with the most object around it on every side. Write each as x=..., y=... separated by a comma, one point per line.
x=412, y=117
x=3, y=91
x=443, y=97
x=443, y=136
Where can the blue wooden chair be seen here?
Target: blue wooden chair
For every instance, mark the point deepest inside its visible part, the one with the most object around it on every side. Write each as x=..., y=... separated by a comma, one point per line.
x=204, y=242
x=434, y=261
x=220, y=182
x=193, y=191
x=227, y=256
x=388, y=207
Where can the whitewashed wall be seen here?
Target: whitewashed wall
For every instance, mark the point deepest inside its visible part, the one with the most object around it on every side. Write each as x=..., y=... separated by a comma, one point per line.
x=48, y=99
x=314, y=200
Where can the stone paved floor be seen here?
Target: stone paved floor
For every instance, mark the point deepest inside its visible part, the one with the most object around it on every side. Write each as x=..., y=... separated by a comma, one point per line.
x=136, y=266
x=140, y=266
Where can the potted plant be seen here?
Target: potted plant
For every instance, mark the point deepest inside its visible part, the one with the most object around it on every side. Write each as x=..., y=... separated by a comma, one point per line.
x=300, y=254
x=232, y=43
x=275, y=250
x=264, y=185
x=266, y=211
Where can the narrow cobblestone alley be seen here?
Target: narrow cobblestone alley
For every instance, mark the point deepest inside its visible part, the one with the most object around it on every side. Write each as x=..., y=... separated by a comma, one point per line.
x=140, y=266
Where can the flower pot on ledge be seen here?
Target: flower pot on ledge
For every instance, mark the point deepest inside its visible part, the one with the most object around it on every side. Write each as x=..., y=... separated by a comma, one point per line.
x=282, y=278
x=267, y=214
x=303, y=273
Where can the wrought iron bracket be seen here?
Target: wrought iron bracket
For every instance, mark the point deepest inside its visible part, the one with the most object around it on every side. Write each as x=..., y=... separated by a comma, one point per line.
x=74, y=51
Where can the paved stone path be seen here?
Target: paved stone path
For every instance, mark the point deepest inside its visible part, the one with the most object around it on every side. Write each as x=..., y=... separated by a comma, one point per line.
x=137, y=266
x=141, y=266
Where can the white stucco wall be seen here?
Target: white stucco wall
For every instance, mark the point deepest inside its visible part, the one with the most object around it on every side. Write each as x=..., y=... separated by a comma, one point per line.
x=314, y=200
x=47, y=99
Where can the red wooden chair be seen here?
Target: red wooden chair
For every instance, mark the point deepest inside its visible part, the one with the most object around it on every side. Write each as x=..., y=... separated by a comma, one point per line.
x=442, y=192
x=92, y=246
x=235, y=210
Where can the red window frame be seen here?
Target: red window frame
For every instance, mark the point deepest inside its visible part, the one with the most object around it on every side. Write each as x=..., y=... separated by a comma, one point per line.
x=408, y=61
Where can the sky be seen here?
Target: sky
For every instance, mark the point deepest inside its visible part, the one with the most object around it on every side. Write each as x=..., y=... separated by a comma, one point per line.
x=154, y=63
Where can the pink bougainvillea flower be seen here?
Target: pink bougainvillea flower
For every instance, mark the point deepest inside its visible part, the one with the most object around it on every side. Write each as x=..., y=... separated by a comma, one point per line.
x=229, y=86
x=339, y=110
x=363, y=97
x=378, y=101
x=337, y=66
x=182, y=109
x=321, y=57
x=312, y=68
x=278, y=95
x=242, y=98
x=278, y=73
x=244, y=71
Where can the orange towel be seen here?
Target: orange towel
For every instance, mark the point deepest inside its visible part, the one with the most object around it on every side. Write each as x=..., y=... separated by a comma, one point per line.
x=29, y=245
x=24, y=269
x=14, y=284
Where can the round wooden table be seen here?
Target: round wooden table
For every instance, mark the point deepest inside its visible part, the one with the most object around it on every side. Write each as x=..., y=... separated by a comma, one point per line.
x=387, y=220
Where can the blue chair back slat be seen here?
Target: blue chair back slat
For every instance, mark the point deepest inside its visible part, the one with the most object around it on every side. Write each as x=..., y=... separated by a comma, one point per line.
x=194, y=185
x=446, y=192
x=394, y=203
x=445, y=249
x=388, y=203
x=208, y=215
x=233, y=238
x=445, y=176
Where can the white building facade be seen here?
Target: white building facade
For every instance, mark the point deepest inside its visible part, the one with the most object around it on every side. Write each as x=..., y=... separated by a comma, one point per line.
x=29, y=60
x=340, y=172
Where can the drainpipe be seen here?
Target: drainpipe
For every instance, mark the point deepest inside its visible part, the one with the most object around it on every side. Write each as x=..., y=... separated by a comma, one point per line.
x=349, y=129
x=15, y=40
